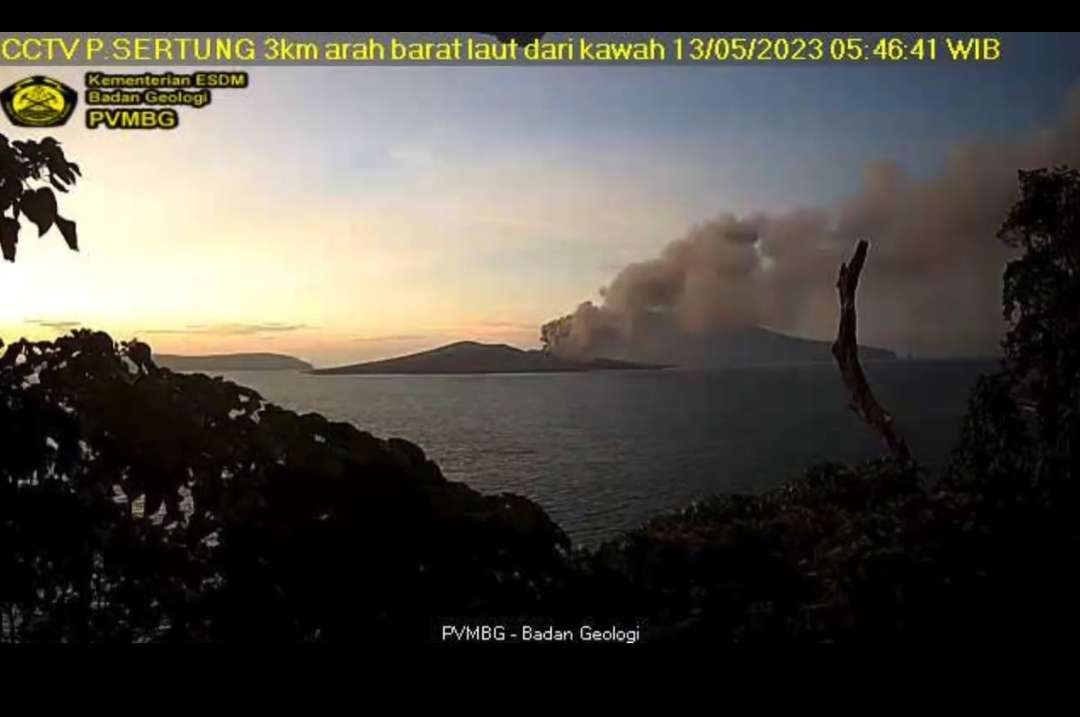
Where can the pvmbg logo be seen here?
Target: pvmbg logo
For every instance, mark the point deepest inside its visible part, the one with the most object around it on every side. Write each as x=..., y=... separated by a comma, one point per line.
x=38, y=101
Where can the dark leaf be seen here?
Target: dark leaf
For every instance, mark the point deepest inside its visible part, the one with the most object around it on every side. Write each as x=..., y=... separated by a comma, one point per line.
x=59, y=166
x=9, y=237
x=55, y=183
x=9, y=192
x=39, y=206
x=61, y=172
x=67, y=228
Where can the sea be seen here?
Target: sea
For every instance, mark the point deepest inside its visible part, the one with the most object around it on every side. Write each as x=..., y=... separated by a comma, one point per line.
x=604, y=451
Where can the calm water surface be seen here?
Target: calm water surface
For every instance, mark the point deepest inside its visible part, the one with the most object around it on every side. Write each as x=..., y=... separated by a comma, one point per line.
x=601, y=452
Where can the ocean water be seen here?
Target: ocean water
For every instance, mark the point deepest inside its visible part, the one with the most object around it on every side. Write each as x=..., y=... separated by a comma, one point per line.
x=603, y=451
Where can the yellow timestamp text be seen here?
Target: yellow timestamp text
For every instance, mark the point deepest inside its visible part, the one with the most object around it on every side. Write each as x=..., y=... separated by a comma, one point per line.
x=764, y=48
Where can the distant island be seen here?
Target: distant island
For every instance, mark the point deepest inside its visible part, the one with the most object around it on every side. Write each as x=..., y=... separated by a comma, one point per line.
x=475, y=357
x=658, y=340
x=657, y=347
x=743, y=346
x=232, y=362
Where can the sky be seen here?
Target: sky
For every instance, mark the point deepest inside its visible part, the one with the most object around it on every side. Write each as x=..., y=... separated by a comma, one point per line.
x=348, y=213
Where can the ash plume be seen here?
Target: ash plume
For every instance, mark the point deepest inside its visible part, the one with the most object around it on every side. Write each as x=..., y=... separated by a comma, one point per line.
x=933, y=285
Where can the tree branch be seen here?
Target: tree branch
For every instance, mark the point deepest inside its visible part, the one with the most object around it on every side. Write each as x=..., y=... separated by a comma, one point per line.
x=846, y=351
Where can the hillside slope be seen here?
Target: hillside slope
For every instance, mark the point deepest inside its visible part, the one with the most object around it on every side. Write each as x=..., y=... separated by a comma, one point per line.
x=665, y=343
x=474, y=357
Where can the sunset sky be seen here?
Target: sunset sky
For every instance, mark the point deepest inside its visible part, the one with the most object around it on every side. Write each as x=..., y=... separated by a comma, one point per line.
x=341, y=214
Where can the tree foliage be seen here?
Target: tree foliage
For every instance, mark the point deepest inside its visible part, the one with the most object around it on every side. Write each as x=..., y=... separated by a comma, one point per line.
x=137, y=504
x=1041, y=301
x=24, y=164
x=994, y=452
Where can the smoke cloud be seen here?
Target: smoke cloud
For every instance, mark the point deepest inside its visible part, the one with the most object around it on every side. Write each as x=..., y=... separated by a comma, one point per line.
x=932, y=284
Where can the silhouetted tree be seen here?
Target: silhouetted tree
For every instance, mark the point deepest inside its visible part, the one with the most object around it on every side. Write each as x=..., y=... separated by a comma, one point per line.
x=21, y=164
x=1042, y=303
x=994, y=451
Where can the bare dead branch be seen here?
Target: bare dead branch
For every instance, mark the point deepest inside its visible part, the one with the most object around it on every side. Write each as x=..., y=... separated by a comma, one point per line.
x=846, y=351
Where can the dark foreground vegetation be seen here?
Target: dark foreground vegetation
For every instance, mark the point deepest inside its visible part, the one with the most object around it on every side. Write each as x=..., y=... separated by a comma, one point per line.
x=137, y=504
x=141, y=504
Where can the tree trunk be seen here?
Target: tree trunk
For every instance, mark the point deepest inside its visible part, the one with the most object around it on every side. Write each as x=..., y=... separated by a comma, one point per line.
x=846, y=351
